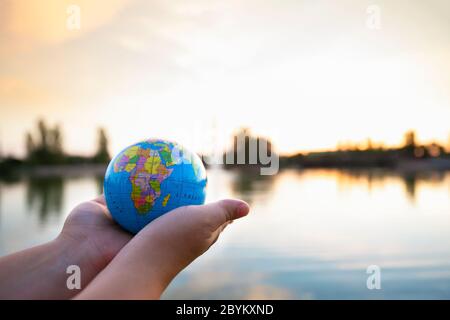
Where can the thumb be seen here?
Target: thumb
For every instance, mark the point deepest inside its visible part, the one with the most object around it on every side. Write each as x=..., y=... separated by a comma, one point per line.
x=100, y=199
x=224, y=211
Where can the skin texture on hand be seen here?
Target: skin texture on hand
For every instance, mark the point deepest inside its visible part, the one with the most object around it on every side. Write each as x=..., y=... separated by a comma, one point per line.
x=149, y=262
x=138, y=267
x=89, y=239
x=91, y=223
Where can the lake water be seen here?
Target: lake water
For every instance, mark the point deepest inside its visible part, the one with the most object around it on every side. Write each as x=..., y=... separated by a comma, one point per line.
x=311, y=234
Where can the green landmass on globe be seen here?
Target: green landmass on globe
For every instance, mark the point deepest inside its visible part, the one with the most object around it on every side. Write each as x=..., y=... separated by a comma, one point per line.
x=155, y=169
x=145, y=165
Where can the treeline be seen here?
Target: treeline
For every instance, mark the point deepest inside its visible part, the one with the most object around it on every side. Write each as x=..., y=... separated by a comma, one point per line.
x=44, y=146
x=370, y=155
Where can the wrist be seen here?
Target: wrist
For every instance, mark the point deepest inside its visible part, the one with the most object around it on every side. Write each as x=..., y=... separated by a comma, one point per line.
x=81, y=253
x=155, y=263
x=41, y=272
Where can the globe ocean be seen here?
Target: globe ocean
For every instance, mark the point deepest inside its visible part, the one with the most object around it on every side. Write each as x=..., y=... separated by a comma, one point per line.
x=151, y=178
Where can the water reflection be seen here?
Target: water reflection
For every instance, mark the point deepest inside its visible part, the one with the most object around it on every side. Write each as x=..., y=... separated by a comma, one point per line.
x=45, y=196
x=265, y=276
x=378, y=178
x=311, y=233
x=247, y=184
x=99, y=181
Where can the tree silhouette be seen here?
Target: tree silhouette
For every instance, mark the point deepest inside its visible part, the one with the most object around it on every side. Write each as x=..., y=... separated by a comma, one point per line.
x=102, y=154
x=46, y=147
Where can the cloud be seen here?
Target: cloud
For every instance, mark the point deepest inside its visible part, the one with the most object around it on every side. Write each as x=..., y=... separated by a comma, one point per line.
x=218, y=58
x=26, y=24
x=16, y=91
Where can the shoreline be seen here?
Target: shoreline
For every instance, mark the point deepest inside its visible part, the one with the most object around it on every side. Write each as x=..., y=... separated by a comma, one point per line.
x=66, y=170
x=82, y=170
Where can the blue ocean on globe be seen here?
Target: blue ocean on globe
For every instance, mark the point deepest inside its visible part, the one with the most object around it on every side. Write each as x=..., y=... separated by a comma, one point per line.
x=151, y=178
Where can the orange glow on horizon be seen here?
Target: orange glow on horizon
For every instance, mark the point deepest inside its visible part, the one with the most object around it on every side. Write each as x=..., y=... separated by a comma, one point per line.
x=308, y=76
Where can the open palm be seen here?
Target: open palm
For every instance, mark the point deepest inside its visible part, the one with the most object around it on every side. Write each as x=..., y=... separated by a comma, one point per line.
x=91, y=222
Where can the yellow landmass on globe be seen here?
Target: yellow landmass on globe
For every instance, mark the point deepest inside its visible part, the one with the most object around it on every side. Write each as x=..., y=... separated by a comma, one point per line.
x=166, y=198
x=148, y=171
x=131, y=152
x=130, y=167
x=152, y=163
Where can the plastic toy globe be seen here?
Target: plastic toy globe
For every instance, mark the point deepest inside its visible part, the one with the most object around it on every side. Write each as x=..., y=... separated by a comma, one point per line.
x=151, y=178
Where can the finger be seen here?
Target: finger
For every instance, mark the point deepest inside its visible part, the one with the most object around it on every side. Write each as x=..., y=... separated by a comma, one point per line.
x=225, y=211
x=102, y=202
x=222, y=227
x=218, y=231
x=100, y=199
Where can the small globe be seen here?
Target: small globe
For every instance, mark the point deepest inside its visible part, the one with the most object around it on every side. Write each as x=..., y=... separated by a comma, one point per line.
x=151, y=178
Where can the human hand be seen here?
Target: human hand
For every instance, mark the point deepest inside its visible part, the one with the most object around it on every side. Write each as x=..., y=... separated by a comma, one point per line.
x=91, y=227
x=149, y=262
x=89, y=240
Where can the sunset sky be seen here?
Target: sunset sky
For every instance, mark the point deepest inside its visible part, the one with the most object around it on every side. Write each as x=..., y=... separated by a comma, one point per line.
x=307, y=74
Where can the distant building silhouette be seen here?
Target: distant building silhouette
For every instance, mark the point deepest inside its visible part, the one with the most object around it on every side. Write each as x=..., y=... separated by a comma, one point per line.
x=410, y=144
x=247, y=149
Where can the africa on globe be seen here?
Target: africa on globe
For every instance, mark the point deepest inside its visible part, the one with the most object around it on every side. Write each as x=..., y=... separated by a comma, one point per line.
x=151, y=178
